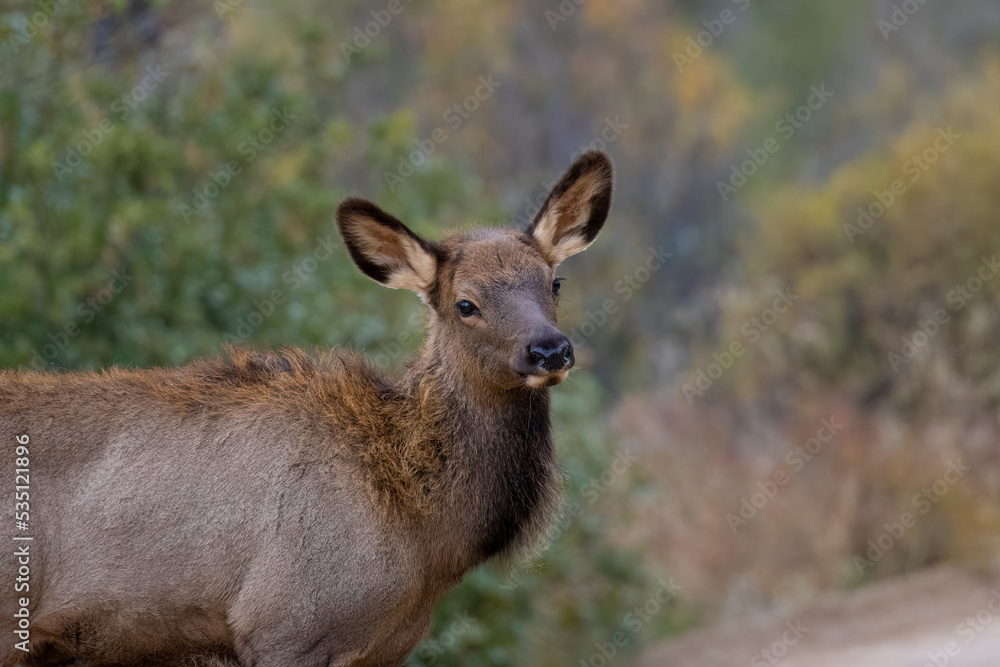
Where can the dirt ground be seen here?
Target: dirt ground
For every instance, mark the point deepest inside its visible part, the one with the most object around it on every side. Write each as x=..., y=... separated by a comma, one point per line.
x=941, y=617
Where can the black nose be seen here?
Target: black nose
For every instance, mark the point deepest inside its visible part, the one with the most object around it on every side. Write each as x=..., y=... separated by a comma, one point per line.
x=552, y=354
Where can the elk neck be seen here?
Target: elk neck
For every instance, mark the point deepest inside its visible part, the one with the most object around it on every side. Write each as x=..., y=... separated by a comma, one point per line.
x=501, y=476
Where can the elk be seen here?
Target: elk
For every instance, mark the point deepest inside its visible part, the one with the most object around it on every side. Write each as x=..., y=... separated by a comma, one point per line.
x=273, y=508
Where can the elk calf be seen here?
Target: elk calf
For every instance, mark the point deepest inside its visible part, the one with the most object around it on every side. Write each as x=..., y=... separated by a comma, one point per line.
x=276, y=509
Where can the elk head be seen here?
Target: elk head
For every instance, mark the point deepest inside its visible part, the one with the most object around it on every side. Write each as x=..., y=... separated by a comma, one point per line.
x=493, y=291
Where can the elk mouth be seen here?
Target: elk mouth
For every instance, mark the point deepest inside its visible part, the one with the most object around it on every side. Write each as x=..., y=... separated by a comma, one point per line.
x=540, y=380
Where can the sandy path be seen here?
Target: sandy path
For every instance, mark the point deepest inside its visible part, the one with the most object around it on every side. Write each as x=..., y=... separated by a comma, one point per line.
x=942, y=617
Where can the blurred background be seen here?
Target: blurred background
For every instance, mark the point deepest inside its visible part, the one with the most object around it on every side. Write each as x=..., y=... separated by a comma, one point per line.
x=788, y=382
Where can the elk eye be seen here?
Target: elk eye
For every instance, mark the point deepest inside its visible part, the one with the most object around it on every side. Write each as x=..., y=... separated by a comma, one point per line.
x=555, y=285
x=467, y=308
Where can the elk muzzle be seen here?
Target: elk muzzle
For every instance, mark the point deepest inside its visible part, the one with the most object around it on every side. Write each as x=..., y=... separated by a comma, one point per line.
x=547, y=359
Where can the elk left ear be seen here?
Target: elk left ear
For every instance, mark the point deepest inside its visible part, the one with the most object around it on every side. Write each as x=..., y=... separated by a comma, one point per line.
x=576, y=208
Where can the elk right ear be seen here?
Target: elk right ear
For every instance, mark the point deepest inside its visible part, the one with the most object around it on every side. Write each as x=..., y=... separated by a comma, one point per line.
x=385, y=249
x=576, y=208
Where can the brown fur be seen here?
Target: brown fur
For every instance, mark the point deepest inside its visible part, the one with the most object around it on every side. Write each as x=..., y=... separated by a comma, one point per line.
x=279, y=508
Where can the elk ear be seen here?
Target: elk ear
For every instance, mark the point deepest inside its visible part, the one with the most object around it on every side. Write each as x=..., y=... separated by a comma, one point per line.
x=576, y=208
x=385, y=249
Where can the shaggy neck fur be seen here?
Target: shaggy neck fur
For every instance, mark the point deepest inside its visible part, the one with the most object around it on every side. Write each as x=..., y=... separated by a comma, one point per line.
x=501, y=474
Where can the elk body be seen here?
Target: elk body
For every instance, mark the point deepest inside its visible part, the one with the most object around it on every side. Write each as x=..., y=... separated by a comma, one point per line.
x=276, y=509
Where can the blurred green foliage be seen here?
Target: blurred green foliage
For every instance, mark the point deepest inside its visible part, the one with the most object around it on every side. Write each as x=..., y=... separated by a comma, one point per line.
x=894, y=259
x=225, y=225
